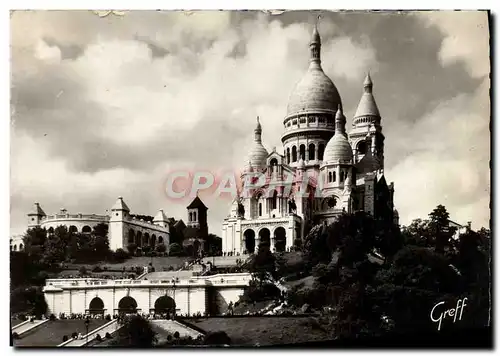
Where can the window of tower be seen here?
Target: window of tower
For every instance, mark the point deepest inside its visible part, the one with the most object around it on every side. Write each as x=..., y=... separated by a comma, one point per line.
x=334, y=176
x=294, y=154
x=312, y=151
x=302, y=120
x=330, y=177
x=362, y=147
x=321, y=151
x=303, y=151
x=312, y=119
x=288, y=155
x=341, y=176
x=274, y=201
x=260, y=209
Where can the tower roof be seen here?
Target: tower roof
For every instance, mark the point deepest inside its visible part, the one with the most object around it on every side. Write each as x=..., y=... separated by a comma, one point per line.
x=338, y=148
x=367, y=105
x=160, y=216
x=36, y=210
x=120, y=205
x=315, y=91
x=197, y=204
x=258, y=154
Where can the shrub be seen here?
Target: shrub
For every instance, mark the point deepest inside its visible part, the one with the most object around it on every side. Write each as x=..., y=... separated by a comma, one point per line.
x=177, y=335
x=108, y=317
x=217, y=338
x=120, y=255
x=22, y=317
x=169, y=337
x=108, y=336
x=97, y=269
x=83, y=270
x=65, y=338
x=52, y=317
x=15, y=335
x=98, y=338
x=74, y=335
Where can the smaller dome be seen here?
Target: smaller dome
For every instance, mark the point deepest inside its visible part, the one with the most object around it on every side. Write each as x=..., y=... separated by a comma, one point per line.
x=257, y=156
x=338, y=149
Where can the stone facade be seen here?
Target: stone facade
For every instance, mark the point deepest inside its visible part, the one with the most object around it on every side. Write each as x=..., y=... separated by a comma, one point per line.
x=196, y=294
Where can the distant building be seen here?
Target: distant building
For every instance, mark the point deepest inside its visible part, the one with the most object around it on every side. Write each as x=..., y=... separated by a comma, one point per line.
x=16, y=243
x=126, y=228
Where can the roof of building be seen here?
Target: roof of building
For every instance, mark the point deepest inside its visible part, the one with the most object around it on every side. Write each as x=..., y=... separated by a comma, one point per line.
x=338, y=148
x=367, y=105
x=315, y=91
x=160, y=216
x=197, y=204
x=36, y=210
x=120, y=205
x=257, y=154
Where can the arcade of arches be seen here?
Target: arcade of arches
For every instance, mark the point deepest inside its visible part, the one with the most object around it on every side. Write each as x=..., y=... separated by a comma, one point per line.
x=142, y=240
x=264, y=237
x=128, y=305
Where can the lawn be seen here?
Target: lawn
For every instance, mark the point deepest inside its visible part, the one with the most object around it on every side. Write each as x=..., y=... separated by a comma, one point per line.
x=250, y=331
x=158, y=263
x=51, y=333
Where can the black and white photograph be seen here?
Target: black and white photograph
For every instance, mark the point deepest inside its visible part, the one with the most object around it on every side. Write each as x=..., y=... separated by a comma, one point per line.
x=250, y=179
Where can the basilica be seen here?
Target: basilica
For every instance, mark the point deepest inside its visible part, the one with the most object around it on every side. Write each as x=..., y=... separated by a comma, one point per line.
x=334, y=171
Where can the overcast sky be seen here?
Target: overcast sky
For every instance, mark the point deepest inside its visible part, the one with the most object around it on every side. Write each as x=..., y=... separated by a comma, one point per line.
x=107, y=107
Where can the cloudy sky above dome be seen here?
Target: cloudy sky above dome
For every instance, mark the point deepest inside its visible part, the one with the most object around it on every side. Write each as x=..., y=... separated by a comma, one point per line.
x=107, y=107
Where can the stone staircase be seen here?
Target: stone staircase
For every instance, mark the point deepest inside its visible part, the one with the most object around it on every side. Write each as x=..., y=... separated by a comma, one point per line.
x=171, y=326
x=110, y=328
x=27, y=325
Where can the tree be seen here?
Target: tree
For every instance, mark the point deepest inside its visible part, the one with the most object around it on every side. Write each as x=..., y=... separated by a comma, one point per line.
x=161, y=249
x=34, y=237
x=30, y=300
x=439, y=225
x=175, y=250
x=120, y=255
x=56, y=248
x=131, y=248
x=137, y=332
x=263, y=264
x=217, y=338
x=214, y=244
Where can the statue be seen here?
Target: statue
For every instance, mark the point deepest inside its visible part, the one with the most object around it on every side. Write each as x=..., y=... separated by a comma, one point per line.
x=241, y=209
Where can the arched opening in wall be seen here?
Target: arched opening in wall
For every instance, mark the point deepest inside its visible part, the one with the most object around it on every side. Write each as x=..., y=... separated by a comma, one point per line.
x=312, y=151
x=265, y=237
x=195, y=218
x=86, y=229
x=50, y=230
x=153, y=241
x=274, y=200
x=190, y=250
x=96, y=306
x=145, y=239
x=260, y=209
x=341, y=176
x=302, y=151
x=11, y=247
x=329, y=177
x=321, y=151
x=21, y=247
x=138, y=238
x=334, y=177
x=15, y=247
x=160, y=239
x=131, y=236
x=127, y=305
x=73, y=229
x=165, y=305
x=190, y=217
x=362, y=146
x=280, y=239
x=288, y=155
x=294, y=154
x=249, y=236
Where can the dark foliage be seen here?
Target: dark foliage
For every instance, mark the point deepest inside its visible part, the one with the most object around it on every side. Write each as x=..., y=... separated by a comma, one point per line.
x=136, y=332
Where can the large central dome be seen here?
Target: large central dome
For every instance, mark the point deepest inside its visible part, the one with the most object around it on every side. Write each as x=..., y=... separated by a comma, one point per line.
x=315, y=91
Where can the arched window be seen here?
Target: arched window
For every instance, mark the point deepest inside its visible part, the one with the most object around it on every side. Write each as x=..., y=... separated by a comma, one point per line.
x=341, y=176
x=86, y=229
x=302, y=151
x=330, y=177
x=294, y=154
x=321, y=151
x=160, y=239
x=190, y=216
x=51, y=230
x=334, y=177
x=15, y=247
x=20, y=247
x=362, y=147
x=288, y=155
x=131, y=236
x=73, y=229
x=260, y=209
x=274, y=200
x=312, y=151
x=194, y=216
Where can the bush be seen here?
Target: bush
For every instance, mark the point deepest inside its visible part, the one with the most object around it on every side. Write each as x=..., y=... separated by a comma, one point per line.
x=74, y=335
x=108, y=336
x=98, y=338
x=176, y=250
x=15, y=335
x=97, y=269
x=83, y=270
x=108, y=317
x=217, y=338
x=21, y=317
x=52, y=317
x=177, y=335
x=169, y=337
x=65, y=338
x=120, y=255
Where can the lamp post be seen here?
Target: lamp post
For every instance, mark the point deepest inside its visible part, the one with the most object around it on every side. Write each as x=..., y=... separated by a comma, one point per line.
x=87, y=322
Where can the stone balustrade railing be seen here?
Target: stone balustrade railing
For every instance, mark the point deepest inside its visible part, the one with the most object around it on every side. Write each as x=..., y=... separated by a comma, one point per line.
x=75, y=216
